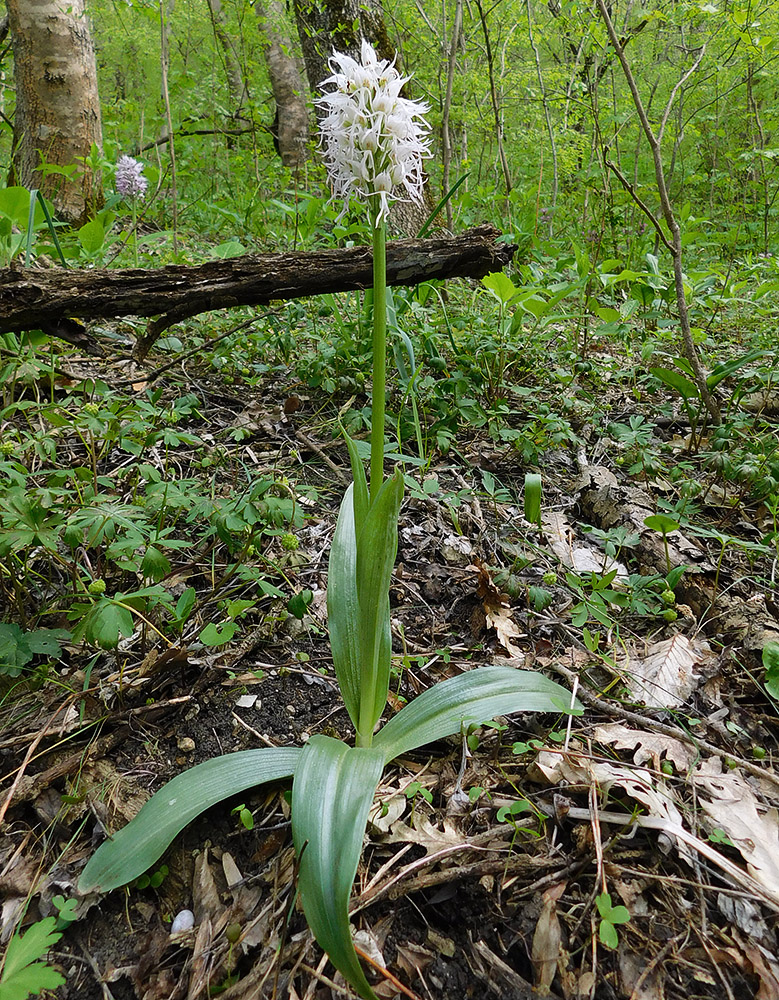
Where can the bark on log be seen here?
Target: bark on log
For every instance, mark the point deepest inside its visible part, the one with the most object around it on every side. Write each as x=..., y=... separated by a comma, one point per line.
x=31, y=299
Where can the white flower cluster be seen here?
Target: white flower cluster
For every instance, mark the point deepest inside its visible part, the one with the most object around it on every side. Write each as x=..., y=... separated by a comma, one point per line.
x=374, y=140
x=130, y=181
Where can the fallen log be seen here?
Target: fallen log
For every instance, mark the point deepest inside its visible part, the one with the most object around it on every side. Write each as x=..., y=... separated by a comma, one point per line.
x=48, y=299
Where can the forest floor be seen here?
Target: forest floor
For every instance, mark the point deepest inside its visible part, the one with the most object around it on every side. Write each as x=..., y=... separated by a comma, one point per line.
x=631, y=852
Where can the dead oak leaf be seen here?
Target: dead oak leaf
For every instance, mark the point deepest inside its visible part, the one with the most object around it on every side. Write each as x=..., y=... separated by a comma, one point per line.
x=505, y=627
x=646, y=746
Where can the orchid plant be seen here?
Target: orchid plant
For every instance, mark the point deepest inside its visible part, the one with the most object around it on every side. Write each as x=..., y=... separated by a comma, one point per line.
x=374, y=142
x=131, y=184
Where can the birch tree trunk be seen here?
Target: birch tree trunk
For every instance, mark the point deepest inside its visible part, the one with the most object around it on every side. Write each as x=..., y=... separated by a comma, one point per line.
x=57, y=115
x=290, y=129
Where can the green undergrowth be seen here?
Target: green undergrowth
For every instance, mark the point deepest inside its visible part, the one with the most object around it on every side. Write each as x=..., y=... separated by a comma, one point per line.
x=128, y=509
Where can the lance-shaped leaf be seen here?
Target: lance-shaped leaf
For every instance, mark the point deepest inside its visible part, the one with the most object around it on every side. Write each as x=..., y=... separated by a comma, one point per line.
x=361, y=496
x=377, y=547
x=468, y=700
x=343, y=609
x=139, y=844
x=332, y=794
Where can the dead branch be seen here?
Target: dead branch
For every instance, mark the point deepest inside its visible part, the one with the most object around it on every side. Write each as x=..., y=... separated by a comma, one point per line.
x=38, y=299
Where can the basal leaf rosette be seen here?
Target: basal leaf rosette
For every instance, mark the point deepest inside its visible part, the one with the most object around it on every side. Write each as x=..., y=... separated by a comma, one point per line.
x=374, y=140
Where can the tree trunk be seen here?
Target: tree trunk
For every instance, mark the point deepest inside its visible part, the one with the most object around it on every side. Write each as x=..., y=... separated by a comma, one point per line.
x=57, y=116
x=239, y=94
x=290, y=126
x=36, y=299
x=327, y=26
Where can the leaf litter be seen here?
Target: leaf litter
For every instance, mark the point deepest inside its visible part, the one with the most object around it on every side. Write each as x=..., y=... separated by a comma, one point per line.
x=686, y=838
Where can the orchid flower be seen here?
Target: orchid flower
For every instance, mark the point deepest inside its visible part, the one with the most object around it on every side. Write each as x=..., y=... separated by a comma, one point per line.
x=374, y=140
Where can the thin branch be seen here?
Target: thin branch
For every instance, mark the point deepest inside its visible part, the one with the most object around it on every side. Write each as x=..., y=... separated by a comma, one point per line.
x=690, y=349
x=675, y=91
x=641, y=204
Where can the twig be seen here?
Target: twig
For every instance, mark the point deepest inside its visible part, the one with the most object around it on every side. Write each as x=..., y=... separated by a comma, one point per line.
x=659, y=727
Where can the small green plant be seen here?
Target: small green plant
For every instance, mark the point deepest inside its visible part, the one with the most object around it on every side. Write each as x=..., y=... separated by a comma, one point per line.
x=151, y=880
x=506, y=814
x=532, y=498
x=415, y=789
x=18, y=648
x=66, y=911
x=665, y=525
x=718, y=836
x=245, y=816
x=22, y=974
x=610, y=918
x=771, y=664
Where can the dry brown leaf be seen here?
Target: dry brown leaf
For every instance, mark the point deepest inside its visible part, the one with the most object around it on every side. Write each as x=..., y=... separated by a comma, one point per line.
x=663, y=675
x=574, y=553
x=505, y=628
x=497, y=611
x=205, y=895
x=764, y=965
x=547, y=939
x=731, y=805
x=636, y=982
x=424, y=833
x=639, y=783
x=413, y=959
x=646, y=746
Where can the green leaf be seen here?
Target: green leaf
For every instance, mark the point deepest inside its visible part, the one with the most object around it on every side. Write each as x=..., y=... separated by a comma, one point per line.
x=539, y=597
x=685, y=388
x=662, y=523
x=15, y=204
x=533, y=498
x=332, y=794
x=91, y=236
x=501, y=286
x=469, y=700
x=218, y=635
x=298, y=604
x=361, y=496
x=343, y=612
x=46, y=641
x=727, y=368
x=361, y=560
x=377, y=547
x=614, y=914
x=138, y=845
x=185, y=604
x=14, y=650
x=105, y=624
x=607, y=933
x=155, y=565
x=771, y=664
x=22, y=974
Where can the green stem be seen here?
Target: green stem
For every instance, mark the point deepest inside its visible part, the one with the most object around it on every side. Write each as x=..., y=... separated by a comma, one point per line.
x=378, y=401
x=135, y=230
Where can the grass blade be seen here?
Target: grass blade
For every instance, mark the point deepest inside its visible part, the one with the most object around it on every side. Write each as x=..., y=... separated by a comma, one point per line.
x=332, y=794
x=139, y=844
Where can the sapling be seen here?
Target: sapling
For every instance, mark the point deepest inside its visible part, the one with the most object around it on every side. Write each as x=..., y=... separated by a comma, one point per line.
x=374, y=141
